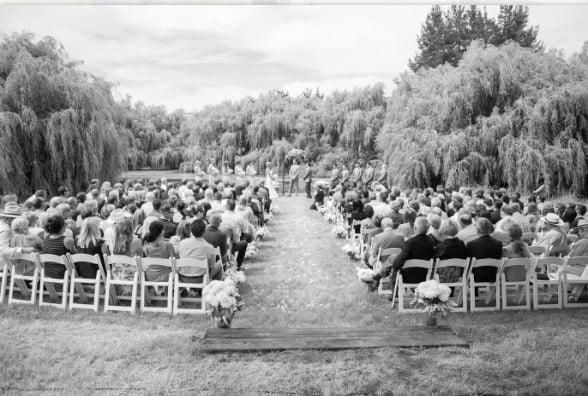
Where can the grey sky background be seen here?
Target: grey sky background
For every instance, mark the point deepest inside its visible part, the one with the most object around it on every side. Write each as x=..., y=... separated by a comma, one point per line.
x=191, y=56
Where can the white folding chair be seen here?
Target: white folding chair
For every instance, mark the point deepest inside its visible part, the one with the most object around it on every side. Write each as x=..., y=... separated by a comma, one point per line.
x=528, y=237
x=516, y=275
x=122, y=264
x=491, y=287
x=3, y=279
x=400, y=287
x=575, y=280
x=77, y=283
x=390, y=254
x=537, y=250
x=28, y=294
x=459, y=288
x=49, y=283
x=145, y=263
x=201, y=265
x=545, y=289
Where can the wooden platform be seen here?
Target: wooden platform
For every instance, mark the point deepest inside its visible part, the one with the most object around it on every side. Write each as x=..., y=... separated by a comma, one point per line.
x=278, y=339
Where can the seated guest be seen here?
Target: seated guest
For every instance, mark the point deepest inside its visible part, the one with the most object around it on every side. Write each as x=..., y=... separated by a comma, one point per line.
x=435, y=222
x=156, y=246
x=196, y=247
x=395, y=215
x=377, y=226
x=419, y=247
x=90, y=242
x=57, y=243
x=368, y=221
x=215, y=236
x=580, y=247
x=388, y=238
x=554, y=239
x=515, y=249
x=405, y=230
x=468, y=231
x=450, y=247
x=485, y=247
x=169, y=227
x=319, y=198
x=235, y=229
x=183, y=230
x=22, y=237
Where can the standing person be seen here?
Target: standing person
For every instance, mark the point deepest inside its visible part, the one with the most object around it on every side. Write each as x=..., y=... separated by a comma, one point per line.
x=307, y=179
x=368, y=175
x=270, y=180
x=212, y=173
x=294, y=173
x=198, y=173
x=227, y=172
x=344, y=175
x=335, y=176
x=356, y=174
x=250, y=172
x=240, y=174
x=382, y=175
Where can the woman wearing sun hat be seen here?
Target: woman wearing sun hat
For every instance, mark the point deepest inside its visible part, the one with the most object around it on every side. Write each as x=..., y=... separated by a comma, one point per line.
x=554, y=237
x=11, y=211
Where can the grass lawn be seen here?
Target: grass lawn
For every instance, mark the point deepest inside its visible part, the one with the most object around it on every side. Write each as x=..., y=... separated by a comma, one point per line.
x=301, y=278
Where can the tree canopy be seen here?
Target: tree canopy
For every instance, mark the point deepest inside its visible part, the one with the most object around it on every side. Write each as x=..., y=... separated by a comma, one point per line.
x=57, y=124
x=505, y=116
x=445, y=36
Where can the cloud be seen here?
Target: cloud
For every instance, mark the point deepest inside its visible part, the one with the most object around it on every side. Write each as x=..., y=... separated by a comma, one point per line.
x=190, y=56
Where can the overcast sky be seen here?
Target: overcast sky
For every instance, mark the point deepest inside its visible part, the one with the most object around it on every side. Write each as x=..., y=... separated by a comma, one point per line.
x=191, y=56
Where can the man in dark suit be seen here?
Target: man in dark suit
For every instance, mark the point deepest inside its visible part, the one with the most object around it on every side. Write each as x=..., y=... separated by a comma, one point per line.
x=485, y=247
x=419, y=247
x=215, y=236
x=307, y=179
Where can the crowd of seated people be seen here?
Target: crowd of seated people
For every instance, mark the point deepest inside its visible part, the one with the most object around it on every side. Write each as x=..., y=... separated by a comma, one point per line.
x=185, y=220
x=443, y=224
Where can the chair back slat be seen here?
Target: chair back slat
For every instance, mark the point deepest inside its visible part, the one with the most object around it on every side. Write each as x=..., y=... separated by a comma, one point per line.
x=146, y=262
x=426, y=264
x=577, y=265
x=454, y=262
x=512, y=269
x=191, y=263
x=537, y=250
x=45, y=258
x=528, y=237
x=84, y=258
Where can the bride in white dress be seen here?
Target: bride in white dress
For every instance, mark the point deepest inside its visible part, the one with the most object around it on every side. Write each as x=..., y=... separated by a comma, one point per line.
x=270, y=181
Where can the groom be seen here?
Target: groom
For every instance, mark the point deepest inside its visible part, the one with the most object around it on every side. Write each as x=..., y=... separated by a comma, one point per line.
x=294, y=172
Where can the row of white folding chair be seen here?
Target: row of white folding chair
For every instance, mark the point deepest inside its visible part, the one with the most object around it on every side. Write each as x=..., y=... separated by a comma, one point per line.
x=43, y=285
x=75, y=283
x=171, y=285
x=574, y=272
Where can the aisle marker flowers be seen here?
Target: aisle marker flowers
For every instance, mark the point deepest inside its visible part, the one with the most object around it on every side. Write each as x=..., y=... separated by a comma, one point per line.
x=222, y=300
x=433, y=297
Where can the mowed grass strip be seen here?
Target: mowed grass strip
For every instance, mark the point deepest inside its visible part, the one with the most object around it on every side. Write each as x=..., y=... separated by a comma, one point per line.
x=301, y=278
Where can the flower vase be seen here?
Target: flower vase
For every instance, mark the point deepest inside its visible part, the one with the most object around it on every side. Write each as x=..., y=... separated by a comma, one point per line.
x=224, y=322
x=430, y=319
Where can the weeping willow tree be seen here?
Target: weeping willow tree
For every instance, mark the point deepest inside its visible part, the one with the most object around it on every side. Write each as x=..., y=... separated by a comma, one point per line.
x=56, y=122
x=507, y=116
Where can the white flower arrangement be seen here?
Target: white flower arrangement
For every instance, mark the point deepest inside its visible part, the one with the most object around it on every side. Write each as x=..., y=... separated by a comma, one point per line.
x=365, y=274
x=251, y=251
x=353, y=250
x=340, y=231
x=236, y=276
x=222, y=299
x=261, y=233
x=433, y=297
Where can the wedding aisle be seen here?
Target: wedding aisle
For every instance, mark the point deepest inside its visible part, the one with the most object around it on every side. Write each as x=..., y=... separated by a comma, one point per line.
x=302, y=277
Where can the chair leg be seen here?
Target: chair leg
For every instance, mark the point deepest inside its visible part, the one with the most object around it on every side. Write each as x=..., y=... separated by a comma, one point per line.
x=107, y=293
x=134, y=294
